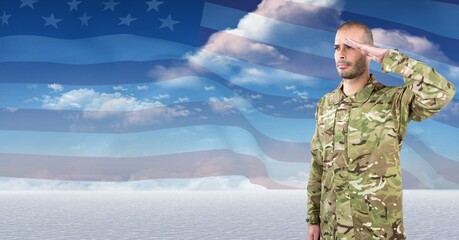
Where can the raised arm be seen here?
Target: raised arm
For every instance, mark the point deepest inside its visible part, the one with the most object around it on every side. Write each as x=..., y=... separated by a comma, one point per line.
x=428, y=91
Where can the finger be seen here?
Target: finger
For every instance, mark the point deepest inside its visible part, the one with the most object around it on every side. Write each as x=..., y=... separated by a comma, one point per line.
x=361, y=47
x=351, y=43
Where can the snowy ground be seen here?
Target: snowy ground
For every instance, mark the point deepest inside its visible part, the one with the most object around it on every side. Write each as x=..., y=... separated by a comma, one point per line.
x=194, y=214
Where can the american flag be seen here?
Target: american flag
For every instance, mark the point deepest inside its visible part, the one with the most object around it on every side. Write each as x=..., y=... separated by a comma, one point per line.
x=126, y=91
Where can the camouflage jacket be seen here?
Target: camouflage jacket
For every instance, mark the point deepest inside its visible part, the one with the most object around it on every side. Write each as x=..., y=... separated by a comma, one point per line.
x=355, y=185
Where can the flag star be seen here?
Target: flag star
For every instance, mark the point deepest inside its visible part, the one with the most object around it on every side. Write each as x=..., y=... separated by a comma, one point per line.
x=168, y=22
x=51, y=20
x=110, y=5
x=127, y=20
x=4, y=18
x=153, y=4
x=74, y=5
x=28, y=3
x=84, y=19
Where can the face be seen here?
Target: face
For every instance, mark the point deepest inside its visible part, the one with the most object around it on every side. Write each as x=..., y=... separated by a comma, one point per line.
x=350, y=62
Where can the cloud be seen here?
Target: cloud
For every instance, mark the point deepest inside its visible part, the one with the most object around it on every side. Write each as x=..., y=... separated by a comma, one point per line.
x=182, y=100
x=415, y=44
x=227, y=43
x=161, y=96
x=9, y=109
x=127, y=110
x=209, y=88
x=229, y=105
x=119, y=88
x=303, y=95
x=225, y=49
x=221, y=183
x=300, y=180
x=179, y=75
x=90, y=100
x=56, y=87
x=143, y=87
x=321, y=3
x=158, y=115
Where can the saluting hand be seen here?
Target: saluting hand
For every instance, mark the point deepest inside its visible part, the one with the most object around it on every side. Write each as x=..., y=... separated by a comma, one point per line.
x=374, y=52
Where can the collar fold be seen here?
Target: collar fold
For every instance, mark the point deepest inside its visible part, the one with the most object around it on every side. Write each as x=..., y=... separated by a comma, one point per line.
x=359, y=97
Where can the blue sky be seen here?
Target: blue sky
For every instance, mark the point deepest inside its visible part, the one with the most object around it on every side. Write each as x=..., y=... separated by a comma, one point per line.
x=240, y=77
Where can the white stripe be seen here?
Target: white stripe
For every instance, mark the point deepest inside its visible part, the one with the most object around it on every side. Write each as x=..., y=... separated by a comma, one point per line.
x=422, y=170
x=154, y=143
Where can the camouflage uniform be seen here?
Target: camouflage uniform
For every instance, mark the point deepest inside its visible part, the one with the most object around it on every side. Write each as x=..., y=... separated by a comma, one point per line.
x=355, y=184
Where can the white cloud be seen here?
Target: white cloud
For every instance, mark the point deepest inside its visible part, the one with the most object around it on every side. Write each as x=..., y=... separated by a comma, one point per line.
x=182, y=100
x=177, y=76
x=157, y=115
x=320, y=3
x=229, y=105
x=56, y=87
x=303, y=94
x=226, y=43
x=10, y=109
x=306, y=106
x=407, y=42
x=290, y=87
x=119, y=88
x=161, y=96
x=231, y=52
x=289, y=11
x=300, y=180
x=209, y=88
x=220, y=183
x=90, y=100
x=143, y=87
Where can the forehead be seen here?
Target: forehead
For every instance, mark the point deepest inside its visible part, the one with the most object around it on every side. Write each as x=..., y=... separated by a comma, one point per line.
x=354, y=33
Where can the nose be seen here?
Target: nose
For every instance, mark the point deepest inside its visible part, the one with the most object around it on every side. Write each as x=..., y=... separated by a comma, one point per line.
x=341, y=53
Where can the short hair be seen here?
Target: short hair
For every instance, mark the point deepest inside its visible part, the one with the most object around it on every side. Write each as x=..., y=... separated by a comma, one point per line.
x=366, y=29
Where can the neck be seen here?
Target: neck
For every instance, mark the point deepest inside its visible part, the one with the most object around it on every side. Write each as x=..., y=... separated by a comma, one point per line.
x=351, y=86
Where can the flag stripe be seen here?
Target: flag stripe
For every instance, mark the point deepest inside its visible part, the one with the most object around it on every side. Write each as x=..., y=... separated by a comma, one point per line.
x=296, y=65
x=412, y=162
x=204, y=164
x=445, y=167
x=285, y=151
x=103, y=49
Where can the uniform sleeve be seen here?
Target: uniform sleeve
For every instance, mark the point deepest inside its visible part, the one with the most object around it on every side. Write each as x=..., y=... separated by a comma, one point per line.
x=426, y=90
x=315, y=176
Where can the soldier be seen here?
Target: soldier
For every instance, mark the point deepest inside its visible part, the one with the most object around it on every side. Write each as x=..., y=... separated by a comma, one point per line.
x=355, y=185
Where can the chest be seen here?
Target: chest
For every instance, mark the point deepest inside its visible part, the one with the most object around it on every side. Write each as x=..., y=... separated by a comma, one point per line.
x=349, y=125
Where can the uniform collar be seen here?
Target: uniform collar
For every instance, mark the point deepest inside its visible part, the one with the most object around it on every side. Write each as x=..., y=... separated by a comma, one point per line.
x=361, y=96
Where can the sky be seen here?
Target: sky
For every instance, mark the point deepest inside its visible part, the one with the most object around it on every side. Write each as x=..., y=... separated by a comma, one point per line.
x=198, y=95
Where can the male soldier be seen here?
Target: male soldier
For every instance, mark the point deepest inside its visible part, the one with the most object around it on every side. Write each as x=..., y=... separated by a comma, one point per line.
x=355, y=187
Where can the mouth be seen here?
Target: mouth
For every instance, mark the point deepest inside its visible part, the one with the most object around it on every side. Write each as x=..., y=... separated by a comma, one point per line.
x=342, y=65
